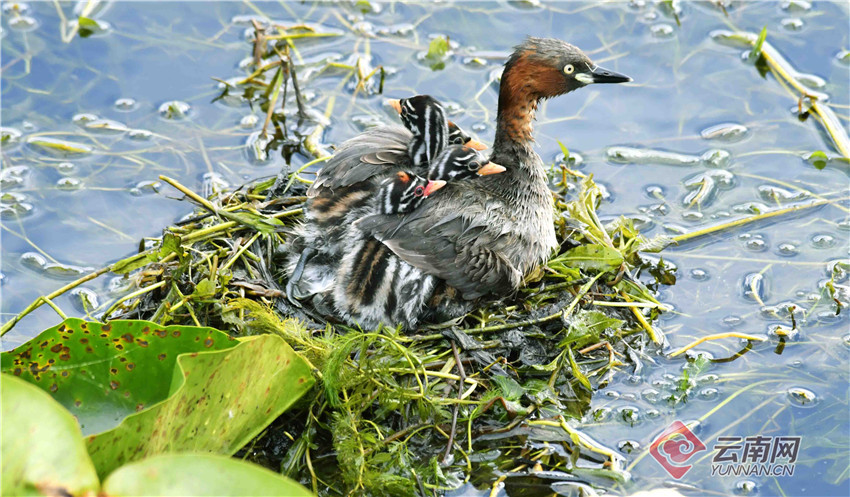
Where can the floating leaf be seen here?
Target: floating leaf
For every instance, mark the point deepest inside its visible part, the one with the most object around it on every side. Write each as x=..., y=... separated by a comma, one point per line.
x=102, y=373
x=663, y=273
x=43, y=449
x=218, y=402
x=87, y=26
x=592, y=256
x=818, y=159
x=196, y=389
x=437, y=51
x=200, y=475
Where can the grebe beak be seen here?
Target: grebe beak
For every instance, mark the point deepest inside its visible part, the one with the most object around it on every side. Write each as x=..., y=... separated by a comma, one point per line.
x=602, y=75
x=491, y=168
x=477, y=145
x=433, y=186
x=395, y=104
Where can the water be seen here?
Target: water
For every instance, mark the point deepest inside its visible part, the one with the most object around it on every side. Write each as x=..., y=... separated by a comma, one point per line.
x=135, y=100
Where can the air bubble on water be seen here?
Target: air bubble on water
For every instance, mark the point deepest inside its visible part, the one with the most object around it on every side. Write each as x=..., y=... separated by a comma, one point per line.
x=69, y=184
x=792, y=23
x=796, y=6
x=754, y=287
x=728, y=132
x=733, y=321
x=9, y=136
x=746, y=487
x=822, y=241
x=662, y=30
x=692, y=216
x=66, y=168
x=125, y=104
x=801, y=397
x=83, y=118
x=175, y=110
x=33, y=260
x=84, y=299
x=249, y=121
x=140, y=134
x=23, y=23
x=756, y=245
x=710, y=393
x=787, y=249
x=628, y=446
x=699, y=274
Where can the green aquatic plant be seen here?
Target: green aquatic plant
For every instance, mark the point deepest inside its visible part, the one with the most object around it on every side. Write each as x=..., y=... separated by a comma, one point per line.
x=51, y=457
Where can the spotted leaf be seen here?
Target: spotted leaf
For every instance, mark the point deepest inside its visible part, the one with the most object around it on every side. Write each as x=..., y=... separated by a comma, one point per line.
x=102, y=373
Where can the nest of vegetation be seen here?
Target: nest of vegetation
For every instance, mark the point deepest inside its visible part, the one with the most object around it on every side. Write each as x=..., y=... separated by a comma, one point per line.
x=397, y=413
x=492, y=396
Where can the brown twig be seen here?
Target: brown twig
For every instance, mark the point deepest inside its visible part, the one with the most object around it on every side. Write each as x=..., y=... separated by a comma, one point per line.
x=462, y=373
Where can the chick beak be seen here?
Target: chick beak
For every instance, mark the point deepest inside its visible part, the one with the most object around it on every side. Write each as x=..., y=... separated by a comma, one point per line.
x=433, y=186
x=491, y=168
x=395, y=104
x=477, y=145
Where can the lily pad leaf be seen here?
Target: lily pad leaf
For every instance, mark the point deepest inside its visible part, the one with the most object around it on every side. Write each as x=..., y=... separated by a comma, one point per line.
x=102, y=373
x=592, y=256
x=43, y=449
x=200, y=475
x=219, y=400
x=195, y=389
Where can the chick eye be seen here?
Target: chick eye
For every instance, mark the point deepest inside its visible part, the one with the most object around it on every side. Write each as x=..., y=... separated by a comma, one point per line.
x=419, y=191
x=569, y=69
x=473, y=166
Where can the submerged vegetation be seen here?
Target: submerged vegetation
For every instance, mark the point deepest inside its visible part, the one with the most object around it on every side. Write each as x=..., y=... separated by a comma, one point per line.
x=499, y=398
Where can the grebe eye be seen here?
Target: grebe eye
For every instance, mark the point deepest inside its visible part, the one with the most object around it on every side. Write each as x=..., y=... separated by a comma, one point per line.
x=419, y=191
x=569, y=69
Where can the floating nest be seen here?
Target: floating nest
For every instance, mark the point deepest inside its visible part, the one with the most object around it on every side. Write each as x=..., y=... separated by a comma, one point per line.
x=398, y=413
